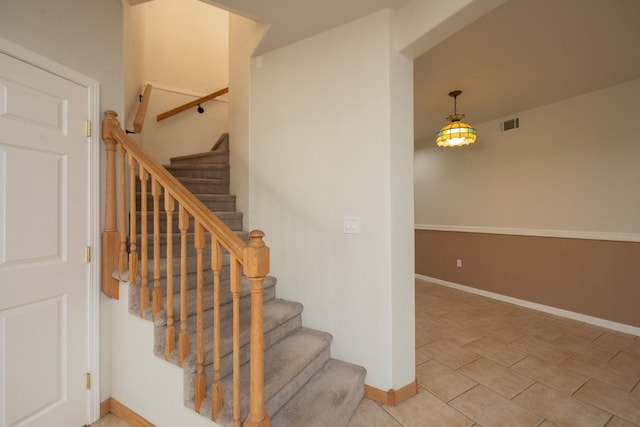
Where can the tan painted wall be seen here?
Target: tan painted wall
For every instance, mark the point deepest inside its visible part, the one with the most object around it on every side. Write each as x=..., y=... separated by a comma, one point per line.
x=598, y=278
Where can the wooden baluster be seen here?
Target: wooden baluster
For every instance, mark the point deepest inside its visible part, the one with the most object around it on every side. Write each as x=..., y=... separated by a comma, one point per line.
x=200, y=382
x=216, y=386
x=183, y=225
x=144, y=237
x=110, y=235
x=122, y=263
x=133, y=249
x=169, y=332
x=256, y=266
x=236, y=283
x=157, y=292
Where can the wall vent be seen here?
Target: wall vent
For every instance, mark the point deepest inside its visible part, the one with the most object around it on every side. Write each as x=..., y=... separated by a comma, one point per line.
x=510, y=124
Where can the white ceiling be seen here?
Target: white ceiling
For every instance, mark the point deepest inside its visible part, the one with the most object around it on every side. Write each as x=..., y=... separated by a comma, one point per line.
x=293, y=20
x=521, y=55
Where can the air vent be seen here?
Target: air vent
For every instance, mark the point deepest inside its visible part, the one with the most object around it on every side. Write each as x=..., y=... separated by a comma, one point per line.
x=510, y=124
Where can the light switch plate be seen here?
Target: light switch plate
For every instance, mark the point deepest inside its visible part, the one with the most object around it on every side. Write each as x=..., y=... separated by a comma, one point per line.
x=352, y=225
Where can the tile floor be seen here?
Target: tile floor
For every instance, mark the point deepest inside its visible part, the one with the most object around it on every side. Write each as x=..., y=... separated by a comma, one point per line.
x=481, y=362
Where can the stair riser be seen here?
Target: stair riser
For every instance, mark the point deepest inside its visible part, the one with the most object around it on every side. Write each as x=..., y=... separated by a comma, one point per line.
x=207, y=279
x=208, y=188
x=207, y=320
x=227, y=204
x=226, y=362
x=210, y=157
x=233, y=220
x=217, y=187
x=226, y=311
x=217, y=173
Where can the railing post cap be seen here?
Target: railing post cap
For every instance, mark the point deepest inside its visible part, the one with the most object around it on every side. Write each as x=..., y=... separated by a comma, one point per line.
x=256, y=238
x=110, y=114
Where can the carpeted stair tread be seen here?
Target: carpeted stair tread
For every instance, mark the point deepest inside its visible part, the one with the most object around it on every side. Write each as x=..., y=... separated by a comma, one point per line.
x=218, y=156
x=329, y=398
x=280, y=317
x=288, y=365
x=202, y=170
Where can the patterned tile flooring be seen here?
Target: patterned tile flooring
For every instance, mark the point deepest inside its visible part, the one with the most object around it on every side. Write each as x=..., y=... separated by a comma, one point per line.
x=481, y=362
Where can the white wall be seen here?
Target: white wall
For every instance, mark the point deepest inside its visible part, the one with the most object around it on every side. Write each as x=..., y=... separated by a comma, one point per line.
x=244, y=36
x=573, y=165
x=186, y=45
x=144, y=383
x=86, y=37
x=324, y=145
x=134, y=53
x=186, y=133
x=181, y=48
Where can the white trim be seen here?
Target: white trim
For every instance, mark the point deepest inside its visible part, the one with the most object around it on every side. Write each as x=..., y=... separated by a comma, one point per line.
x=186, y=92
x=567, y=234
x=96, y=251
x=93, y=225
x=620, y=327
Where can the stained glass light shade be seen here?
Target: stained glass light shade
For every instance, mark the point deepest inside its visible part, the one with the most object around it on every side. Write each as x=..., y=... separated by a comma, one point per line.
x=456, y=133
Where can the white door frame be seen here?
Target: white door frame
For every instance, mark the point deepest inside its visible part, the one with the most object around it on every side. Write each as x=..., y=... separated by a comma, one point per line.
x=93, y=233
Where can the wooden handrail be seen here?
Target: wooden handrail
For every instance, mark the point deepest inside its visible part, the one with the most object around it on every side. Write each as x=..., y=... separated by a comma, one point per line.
x=253, y=258
x=142, y=110
x=192, y=104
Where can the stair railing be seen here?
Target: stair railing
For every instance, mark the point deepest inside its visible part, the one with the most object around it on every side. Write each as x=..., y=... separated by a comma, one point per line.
x=253, y=258
x=192, y=104
x=138, y=122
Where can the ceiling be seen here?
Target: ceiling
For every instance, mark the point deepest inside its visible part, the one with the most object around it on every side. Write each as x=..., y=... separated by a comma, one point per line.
x=521, y=55
x=293, y=20
x=525, y=54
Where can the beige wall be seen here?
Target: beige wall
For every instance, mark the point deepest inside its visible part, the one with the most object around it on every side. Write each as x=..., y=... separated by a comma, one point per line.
x=180, y=47
x=244, y=36
x=542, y=176
x=538, y=213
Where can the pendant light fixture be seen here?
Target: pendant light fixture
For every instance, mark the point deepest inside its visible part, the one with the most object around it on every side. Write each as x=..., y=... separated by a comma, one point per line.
x=456, y=133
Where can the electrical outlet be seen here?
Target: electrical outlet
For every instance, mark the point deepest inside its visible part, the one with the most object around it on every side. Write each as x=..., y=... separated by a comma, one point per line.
x=459, y=262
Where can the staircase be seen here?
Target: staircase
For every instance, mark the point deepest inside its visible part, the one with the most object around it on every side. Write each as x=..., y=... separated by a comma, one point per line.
x=303, y=385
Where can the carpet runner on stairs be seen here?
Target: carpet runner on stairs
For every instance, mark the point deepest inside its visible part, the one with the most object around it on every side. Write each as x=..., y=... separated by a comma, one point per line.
x=304, y=386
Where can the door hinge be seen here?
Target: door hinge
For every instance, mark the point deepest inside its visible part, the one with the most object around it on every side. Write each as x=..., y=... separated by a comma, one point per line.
x=88, y=383
x=87, y=129
x=87, y=254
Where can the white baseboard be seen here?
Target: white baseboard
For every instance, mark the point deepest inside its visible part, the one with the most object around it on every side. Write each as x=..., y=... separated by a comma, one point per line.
x=620, y=327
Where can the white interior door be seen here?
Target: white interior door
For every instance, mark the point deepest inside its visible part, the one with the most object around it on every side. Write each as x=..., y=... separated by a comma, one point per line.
x=44, y=230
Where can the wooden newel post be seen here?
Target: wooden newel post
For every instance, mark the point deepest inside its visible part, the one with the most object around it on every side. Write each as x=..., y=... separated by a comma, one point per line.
x=110, y=235
x=256, y=266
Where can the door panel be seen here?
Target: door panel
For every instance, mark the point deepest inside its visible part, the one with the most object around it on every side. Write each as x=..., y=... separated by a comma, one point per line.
x=44, y=230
